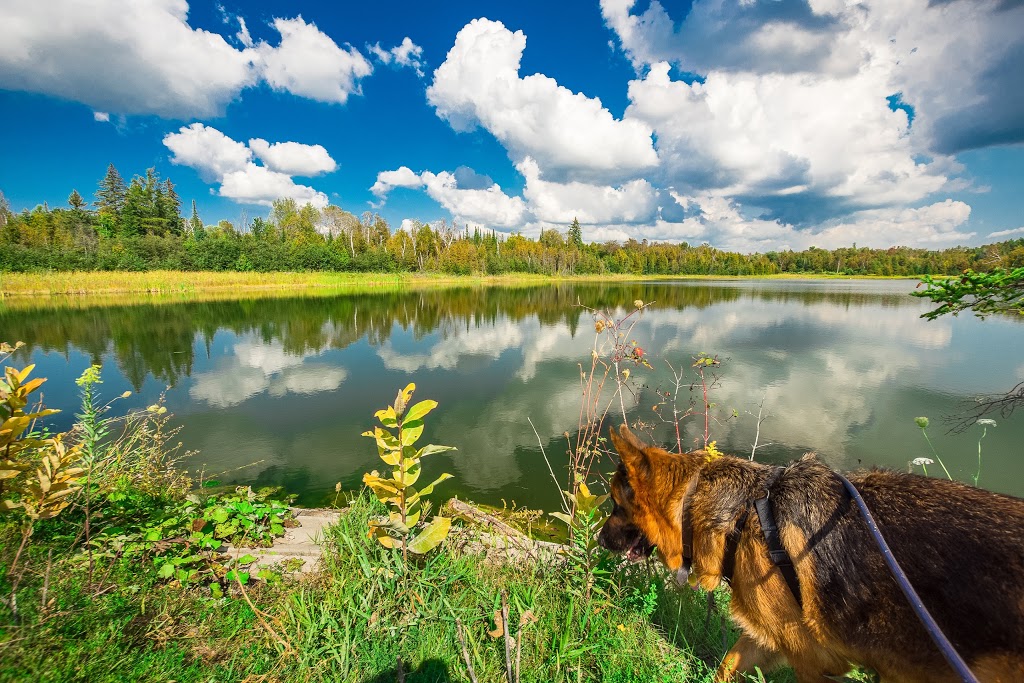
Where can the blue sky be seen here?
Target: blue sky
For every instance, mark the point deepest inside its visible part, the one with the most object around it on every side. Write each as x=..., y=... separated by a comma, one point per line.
x=752, y=125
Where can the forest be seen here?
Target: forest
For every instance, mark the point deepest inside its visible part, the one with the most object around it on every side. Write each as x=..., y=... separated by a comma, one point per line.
x=139, y=226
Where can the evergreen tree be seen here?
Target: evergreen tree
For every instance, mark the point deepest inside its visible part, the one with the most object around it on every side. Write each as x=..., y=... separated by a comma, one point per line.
x=135, y=209
x=171, y=209
x=576, y=234
x=111, y=194
x=76, y=201
x=195, y=224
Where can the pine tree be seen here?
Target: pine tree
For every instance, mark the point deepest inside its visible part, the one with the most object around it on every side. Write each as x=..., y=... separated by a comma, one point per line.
x=76, y=201
x=111, y=194
x=195, y=224
x=576, y=234
x=171, y=207
x=135, y=209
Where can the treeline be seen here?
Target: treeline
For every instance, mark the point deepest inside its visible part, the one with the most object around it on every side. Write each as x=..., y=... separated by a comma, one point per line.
x=139, y=226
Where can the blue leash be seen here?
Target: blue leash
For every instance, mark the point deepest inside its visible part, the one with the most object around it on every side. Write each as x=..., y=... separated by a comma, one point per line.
x=947, y=649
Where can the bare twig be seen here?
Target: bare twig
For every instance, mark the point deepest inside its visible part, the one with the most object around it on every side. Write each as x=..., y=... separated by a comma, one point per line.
x=46, y=581
x=262, y=616
x=508, y=643
x=465, y=651
x=519, y=650
x=757, y=434
x=565, y=503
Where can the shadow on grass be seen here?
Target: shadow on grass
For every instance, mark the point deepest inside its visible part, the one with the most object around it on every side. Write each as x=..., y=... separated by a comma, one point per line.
x=429, y=671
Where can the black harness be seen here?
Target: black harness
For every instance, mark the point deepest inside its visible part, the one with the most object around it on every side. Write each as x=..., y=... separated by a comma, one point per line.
x=763, y=507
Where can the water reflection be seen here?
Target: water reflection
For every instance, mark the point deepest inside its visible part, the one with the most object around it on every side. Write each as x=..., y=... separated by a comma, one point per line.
x=253, y=367
x=842, y=368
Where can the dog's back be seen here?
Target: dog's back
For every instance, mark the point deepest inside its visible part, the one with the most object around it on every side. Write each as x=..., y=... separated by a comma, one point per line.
x=962, y=548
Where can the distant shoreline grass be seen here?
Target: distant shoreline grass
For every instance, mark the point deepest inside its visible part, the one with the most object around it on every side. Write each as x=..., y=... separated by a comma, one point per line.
x=167, y=282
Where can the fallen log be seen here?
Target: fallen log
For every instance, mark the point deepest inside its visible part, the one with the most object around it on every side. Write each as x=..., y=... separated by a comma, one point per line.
x=499, y=537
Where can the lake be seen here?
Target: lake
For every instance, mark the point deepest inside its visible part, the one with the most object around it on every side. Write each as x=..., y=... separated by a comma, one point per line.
x=278, y=390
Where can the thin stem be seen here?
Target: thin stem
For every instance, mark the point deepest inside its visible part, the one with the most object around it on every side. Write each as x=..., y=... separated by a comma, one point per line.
x=948, y=475
x=565, y=503
x=401, y=491
x=977, y=474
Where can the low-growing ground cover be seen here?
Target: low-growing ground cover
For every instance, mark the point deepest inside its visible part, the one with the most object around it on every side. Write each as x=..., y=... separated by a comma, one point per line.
x=354, y=620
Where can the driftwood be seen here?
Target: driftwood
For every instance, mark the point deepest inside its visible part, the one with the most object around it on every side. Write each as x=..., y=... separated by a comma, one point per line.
x=500, y=540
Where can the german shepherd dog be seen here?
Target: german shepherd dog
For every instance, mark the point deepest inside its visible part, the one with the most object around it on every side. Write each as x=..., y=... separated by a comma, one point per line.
x=961, y=547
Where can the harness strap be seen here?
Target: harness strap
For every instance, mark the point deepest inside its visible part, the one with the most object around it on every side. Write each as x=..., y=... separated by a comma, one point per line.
x=779, y=557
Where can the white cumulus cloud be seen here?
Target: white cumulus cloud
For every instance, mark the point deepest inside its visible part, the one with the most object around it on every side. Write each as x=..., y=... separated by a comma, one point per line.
x=1007, y=233
x=310, y=64
x=220, y=159
x=567, y=133
x=750, y=125
x=144, y=58
x=259, y=185
x=293, y=158
x=407, y=53
x=400, y=177
x=490, y=207
x=208, y=151
x=560, y=203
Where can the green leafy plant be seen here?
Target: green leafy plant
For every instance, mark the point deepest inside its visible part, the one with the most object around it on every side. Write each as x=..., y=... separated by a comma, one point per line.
x=997, y=291
x=245, y=516
x=38, y=475
x=407, y=506
x=584, y=524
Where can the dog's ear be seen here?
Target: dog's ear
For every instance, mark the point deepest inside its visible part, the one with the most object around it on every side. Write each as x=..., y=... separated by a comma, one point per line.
x=631, y=450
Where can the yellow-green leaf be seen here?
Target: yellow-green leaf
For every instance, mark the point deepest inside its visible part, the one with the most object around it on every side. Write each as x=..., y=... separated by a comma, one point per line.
x=387, y=417
x=42, y=413
x=431, y=536
x=16, y=425
x=418, y=411
x=428, y=489
x=29, y=387
x=388, y=541
x=409, y=475
x=23, y=375
x=411, y=431
x=380, y=486
x=562, y=516
x=432, y=449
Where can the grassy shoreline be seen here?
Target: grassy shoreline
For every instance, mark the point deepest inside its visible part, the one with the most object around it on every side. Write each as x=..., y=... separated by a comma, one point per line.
x=362, y=618
x=166, y=282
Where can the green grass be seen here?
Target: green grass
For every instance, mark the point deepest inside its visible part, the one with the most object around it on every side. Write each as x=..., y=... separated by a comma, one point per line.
x=178, y=283
x=354, y=621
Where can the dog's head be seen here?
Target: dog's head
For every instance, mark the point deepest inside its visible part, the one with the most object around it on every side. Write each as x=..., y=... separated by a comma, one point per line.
x=647, y=491
x=619, y=534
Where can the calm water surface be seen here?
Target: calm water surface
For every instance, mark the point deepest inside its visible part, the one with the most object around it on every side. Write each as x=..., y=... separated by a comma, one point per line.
x=277, y=391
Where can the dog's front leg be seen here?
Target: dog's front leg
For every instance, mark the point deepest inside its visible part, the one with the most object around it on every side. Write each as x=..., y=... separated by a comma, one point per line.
x=744, y=656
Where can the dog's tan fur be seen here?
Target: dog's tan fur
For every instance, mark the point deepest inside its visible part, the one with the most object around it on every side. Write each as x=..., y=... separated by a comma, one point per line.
x=961, y=547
